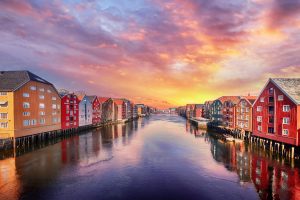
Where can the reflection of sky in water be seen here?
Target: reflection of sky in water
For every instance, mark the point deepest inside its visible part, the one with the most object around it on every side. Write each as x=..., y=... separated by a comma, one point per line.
x=157, y=158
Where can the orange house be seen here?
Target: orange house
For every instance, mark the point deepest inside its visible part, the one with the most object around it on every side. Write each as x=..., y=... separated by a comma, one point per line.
x=29, y=105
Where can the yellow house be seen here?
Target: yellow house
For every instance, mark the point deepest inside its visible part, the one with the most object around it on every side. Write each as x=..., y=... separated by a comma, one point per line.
x=29, y=105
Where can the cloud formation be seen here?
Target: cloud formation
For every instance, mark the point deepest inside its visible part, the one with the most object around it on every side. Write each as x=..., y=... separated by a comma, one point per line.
x=161, y=52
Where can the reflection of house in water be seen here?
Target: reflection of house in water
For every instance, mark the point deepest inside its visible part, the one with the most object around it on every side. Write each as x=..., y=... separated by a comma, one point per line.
x=224, y=153
x=274, y=180
x=243, y=166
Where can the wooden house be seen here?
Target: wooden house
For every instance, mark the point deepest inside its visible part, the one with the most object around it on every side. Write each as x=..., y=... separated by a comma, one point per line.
x=69, y=111
x=96, y=106
x=85, y=111
x=243, y=117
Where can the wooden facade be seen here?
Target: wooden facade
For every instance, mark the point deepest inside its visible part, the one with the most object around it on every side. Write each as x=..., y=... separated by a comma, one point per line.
x=276, y=112
x=243, y=118
x=69, y=111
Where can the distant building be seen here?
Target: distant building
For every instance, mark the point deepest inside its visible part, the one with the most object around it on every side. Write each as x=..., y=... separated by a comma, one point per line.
x=216, y=109
x=69, y=111
x=140, y=109
x=28, y=105
x=85, y=111
x=243, y=118
x=107, y=109
x=96, y=106
x=207, y=109
x=276, y=111
x=119, y=110
x=229, y=111
x=198, y=110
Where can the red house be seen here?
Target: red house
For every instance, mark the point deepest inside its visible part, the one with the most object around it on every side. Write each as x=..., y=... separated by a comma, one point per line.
x=229, y=111
x=198, y=111
x=276, y=112
x=96, y=118
x=69, y=111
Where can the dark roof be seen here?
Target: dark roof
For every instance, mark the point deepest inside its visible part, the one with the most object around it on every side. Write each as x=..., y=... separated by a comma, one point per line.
x=91, y=98
x=12, y=80
x=291, y=86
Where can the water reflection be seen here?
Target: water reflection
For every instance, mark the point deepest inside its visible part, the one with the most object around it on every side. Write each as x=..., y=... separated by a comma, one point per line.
x=36, y=168
x=272, y=178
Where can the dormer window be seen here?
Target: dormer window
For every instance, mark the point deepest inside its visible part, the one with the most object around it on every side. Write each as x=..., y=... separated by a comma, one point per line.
x=271, y=90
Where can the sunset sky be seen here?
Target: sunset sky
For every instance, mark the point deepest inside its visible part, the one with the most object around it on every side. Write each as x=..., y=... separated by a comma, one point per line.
x=160, y=52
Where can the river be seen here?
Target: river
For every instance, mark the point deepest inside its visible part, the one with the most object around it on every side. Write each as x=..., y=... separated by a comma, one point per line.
x=161, y=157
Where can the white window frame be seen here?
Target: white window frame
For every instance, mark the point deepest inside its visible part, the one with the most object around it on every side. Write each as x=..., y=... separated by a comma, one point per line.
x=5, y=113
x=41, y=105
x=4, y=125
x=259, y=128
x=33, y=88
x=42, y=89
x=286, y=120
x=280, y=97
x=54, y=98
x=284, y=108
x=41, y=96
x=262, y=99
x=285, y=132
x=259, y=118
x=26, y=105
x=26, y=94
x=259, y=108
x=42, y=113
x=26, y=114
x=26, y=122
x=3, y=93
x=33, y=122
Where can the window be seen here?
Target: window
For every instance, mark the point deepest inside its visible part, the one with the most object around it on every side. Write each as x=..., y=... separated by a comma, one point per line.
x=53, y=98
x=262, y=99
x=247, y=117
x=42, y=105
x=32, y=87
x=271, y=91
x=26, y=113
x=259, y=108
x=280, y=97
x=25, y=94
x=3, y=116
x=259, y=118
x=67, y=117
x=41, y=96
x=42, y=113
x=26, y=105
x=58, y=106
x=271, y=99
x=3, y=104
x=54, y=113
x=286, y=108
x=286, y=120
x=270, y=129
x=67, y=124
x=259, y=128
x=26, y=122
x=33, y=122
x=54, y=120
x=3, y=93
x=53, y=106
x=247, y=109
x=285, y=132
x=49, y=91
x=42, y=121
x=42, y=90
x=4, y=125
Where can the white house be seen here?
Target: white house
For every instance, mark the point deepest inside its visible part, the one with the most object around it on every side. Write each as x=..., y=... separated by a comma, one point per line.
x=85, y=112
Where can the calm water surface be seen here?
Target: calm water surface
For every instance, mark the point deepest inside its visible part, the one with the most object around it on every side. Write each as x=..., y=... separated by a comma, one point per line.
x=162, y=157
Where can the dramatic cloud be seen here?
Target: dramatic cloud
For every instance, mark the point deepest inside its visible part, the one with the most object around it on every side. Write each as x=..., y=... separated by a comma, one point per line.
x=161, y=52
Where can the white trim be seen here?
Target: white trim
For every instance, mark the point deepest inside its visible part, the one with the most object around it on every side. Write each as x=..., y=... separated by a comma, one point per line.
x=292, y=99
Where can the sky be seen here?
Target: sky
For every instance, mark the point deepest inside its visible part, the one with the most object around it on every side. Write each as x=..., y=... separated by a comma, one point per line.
x=160, y=52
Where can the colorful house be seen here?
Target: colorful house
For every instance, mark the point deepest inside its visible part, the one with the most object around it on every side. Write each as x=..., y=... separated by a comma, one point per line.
x=29, y=105
x=127, y=109
x=198, y=110
x=134, y=111
x=216, y=109
x=85, y=111
x=69, y=111
x=229, y=111
x=189, y=110
x=107, y=109
x=243, y=117
x=96, y=106
x=140, y=109
x=276, y=111
x=119, y=110
x=207, y=109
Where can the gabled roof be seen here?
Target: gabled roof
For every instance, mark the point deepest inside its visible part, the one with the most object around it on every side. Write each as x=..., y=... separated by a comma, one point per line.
x=13, y=80
x=289, y=86
x=234, y=99
x=118, y=101
x=91, y=98
x=103, y=99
